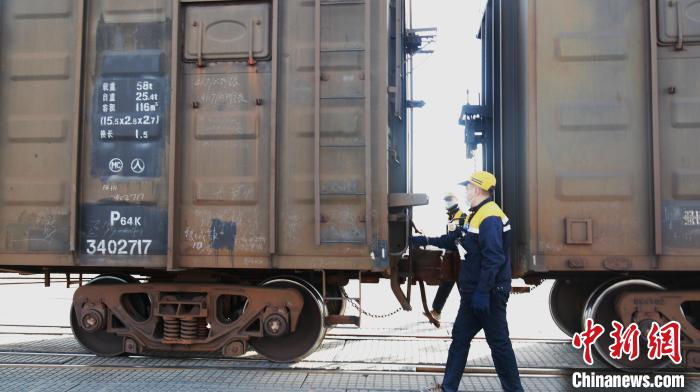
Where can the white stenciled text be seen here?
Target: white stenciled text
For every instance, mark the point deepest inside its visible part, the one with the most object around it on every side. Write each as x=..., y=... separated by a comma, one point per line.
x=691, y=218
x=118, y=247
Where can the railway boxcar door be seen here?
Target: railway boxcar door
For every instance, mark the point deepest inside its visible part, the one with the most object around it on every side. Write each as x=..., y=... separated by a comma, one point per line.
x=38, y=113
x=225, y=111
x=679, y=126
x=124, y=170
x=572, y=80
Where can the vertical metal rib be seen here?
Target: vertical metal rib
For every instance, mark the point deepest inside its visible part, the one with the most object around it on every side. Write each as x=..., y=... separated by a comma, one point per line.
x=273, y=131
x=368, y=126
x=172, y=135
x=75, y=169
x=655, y=138
x=398, y=52
x=317, y=121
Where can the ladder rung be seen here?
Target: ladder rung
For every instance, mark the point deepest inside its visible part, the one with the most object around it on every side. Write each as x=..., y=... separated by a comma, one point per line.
x=333, y=194
x=340, y=50
x=330, y=98
x=343, y=145
x=342, y=2
x=320, y=49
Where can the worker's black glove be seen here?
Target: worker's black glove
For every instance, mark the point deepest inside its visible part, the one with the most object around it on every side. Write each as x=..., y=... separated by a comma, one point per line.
x=480, y=302
x=463, y=230
x=419, y=240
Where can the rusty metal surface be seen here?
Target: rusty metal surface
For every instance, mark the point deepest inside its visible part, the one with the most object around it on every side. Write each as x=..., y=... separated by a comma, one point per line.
x=426, y=310
x=224, y=178
x=225, y=159
x=678, y=25
x=593, y=127
x=125, y=130
x=173, y=148
x=662, y=306
x=600, y=170
x=185, y=317
x=679, y=101
x=655, y=148
x=431, y=266
x=427, y=265
x=407, y=200
x=37, y=106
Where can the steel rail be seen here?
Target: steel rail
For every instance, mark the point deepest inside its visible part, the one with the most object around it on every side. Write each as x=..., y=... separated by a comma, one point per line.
x=430, y=370
x=436, y=337
x=308, y=366
x=332, y=336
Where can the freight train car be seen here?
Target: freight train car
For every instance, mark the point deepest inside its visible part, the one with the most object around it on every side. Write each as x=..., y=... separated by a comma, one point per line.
x=591, y=119
x=248, y=158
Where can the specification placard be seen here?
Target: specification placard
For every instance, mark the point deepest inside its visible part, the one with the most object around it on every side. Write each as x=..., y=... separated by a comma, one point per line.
x=128, y=123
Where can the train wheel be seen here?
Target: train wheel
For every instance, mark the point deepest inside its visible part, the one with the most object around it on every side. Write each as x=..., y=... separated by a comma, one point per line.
x=99, y=342
x=567, y=299
x=601, y=308
x=310, y=331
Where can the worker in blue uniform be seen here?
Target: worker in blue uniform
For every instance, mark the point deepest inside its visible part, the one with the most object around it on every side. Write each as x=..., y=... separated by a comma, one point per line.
x=455, y=221
x=484, y=285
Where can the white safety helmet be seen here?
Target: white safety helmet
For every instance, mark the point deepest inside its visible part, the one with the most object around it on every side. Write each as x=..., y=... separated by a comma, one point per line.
x=450, y=200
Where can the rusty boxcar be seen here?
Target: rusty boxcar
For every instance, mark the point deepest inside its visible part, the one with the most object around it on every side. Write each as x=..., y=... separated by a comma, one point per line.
x=590, y=117
x=248, y=157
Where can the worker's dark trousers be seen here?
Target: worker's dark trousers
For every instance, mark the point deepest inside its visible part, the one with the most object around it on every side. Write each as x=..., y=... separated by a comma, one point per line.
x=441, y=296
x=467, y=325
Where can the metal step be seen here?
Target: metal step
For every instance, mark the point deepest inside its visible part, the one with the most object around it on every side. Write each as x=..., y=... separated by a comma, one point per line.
x=343, y=320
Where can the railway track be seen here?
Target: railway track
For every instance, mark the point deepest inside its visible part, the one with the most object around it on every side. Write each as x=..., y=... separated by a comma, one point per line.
x=346, y=368
x=480, y=371
x=141, y=364
x=9, y=329
x=21, y=358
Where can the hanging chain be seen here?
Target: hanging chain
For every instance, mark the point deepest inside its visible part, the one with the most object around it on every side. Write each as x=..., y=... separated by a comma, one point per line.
x=355, y=305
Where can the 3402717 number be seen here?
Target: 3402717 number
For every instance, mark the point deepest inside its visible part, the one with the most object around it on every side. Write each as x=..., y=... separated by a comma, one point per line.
x=118, y=247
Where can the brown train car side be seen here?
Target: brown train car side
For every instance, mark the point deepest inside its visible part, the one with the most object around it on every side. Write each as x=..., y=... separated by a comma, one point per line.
x=590, y=120
x=237, y=153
